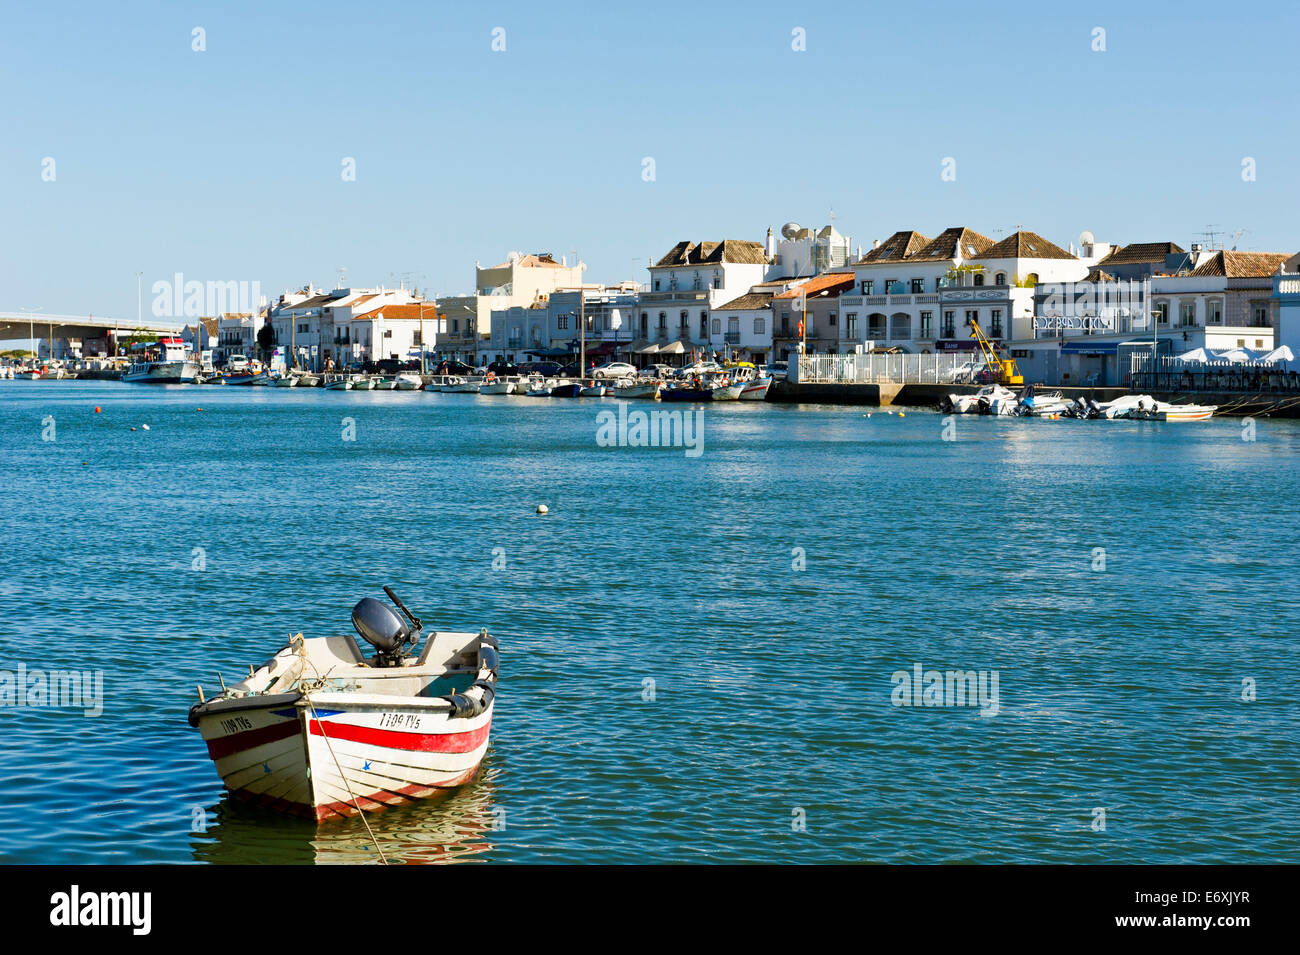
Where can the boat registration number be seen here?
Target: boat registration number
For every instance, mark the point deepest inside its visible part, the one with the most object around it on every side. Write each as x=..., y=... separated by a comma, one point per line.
x=236, y=724
x=399, y=720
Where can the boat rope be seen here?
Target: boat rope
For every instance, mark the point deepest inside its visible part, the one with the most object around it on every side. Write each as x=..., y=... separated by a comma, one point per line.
x=342, y=775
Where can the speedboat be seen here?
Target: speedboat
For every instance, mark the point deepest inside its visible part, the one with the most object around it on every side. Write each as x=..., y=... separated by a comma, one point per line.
x=755, y=390
x=991, y=399
x=1042, y=406
x=324, y=731
x=1123, y=406
x=1166, y=411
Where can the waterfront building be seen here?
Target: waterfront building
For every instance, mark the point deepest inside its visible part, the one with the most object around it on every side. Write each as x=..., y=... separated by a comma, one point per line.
x=235, y=336
x=743, y=326
x=202, y=335
x=320, y=326
x=806, y=252
x=1286, y=304
x=895, y=299
x=822, y=316
x=520, y=282
x=548, y=328
x=1211, y=299
x=688, y=281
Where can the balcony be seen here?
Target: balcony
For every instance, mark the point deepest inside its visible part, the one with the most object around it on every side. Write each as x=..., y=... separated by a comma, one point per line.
x=732, y=338
x=678, y=295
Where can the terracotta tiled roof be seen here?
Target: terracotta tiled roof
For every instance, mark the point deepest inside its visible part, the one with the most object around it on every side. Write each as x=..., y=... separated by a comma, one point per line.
x=833, y=282
x=945, y=246
x=1024, y=245
x=1097, y=275
x=1242, y=265
x=899, y=246
x=532, y=262
x=747, y=301
x=1141, y=252
x=740, y=251
x=410, y=310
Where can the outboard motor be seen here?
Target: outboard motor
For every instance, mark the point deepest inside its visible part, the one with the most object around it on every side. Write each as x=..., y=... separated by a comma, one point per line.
x=384, y=630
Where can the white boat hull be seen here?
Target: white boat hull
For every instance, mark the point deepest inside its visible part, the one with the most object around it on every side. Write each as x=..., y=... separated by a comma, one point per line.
x=728, y=392
x=755, y=390
x=163, y=373
x=648, y=391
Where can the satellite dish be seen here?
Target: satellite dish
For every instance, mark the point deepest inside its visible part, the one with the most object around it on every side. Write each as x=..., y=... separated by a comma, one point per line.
x=790, y=230
x=1087, y=238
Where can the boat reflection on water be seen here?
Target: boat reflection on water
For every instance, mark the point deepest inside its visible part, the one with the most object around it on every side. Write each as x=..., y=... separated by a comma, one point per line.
x=455, y=827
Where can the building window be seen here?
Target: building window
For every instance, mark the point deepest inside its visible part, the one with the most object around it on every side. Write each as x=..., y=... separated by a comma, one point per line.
x=851, y=325
x=949, y=324
x=758, y=326
x=918, y=286
x=717, y=326
x=785, y=323
x=1000, y=278
x=562, y=322
x=663, y=321
x=1214, y=313
x=867, y=285
x=656, y=285
x=979, y=279
x=684, y=320
x=704, y=324
x=927, y=324
x=995, y=323
x=1186, y=314
x=1162, y=313
x=893, y=287
x=831, y=319
x=1261, y=315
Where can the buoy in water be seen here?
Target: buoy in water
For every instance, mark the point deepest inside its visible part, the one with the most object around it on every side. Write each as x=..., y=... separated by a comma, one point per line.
x=542, y=509
x=145, y=426
x=133, y=429
x=96, y=409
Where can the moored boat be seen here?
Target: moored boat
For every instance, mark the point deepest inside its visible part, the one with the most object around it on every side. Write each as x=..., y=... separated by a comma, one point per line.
x=409, y=381
x=643, y=389
x=755, y=390
x=173, y=366
x=322, y=731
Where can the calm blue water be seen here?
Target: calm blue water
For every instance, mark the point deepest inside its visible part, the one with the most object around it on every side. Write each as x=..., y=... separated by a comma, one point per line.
x=1118, y=688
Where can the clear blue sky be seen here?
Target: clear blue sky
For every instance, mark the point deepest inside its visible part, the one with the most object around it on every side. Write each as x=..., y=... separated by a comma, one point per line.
x=225, y=164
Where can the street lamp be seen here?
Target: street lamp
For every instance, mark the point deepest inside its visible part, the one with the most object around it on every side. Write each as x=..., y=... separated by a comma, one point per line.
x=31, y=330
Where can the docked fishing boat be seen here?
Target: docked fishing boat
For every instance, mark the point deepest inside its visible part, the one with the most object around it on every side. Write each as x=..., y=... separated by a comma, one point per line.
x=755, y=390
x=384, y=384
x=172, y=366
x=323, y=731
x=567, y=389
x=686, y=392
x=497, y=386
x=729, y=392
x=541, y=388
x=363, y=383
x=642, y=389
x=338, y=383
x=248, y=378
x=463, y=386
x=409, y=381
x=307, y=380
x=285, y=381
x=991, y=399
x=594, y=390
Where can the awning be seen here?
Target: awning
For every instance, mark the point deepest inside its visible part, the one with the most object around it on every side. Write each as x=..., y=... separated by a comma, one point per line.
x=1089, y=348
x=549, y=352
x=650, y=349
x=673, y=348
x=608, y=348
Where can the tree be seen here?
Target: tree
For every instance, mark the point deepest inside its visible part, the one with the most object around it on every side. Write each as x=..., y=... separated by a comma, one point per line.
x=266, y=338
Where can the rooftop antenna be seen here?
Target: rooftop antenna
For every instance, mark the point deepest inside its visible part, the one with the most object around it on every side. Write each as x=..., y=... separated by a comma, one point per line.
x=343, y=277
x=1211, y=234
x=1237, y=235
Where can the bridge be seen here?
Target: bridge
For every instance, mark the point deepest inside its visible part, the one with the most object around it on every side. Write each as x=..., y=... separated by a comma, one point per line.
x=96, y=332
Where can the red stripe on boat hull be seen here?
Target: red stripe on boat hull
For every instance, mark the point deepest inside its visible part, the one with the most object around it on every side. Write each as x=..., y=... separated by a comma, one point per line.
x=415, y=742
x=238, y=742
x=386, y=798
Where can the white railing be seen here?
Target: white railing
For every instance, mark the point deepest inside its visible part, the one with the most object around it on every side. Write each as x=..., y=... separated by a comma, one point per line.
x=868, y=369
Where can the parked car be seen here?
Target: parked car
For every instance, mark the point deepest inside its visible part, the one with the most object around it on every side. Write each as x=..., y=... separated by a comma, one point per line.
x=614, y=369
x=237, y=363
x=547, y=369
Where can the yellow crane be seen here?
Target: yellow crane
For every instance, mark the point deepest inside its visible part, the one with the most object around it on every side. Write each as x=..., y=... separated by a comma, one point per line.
x=1003, y=370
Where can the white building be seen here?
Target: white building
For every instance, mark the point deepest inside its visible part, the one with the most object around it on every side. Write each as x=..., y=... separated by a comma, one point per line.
x=690, y=279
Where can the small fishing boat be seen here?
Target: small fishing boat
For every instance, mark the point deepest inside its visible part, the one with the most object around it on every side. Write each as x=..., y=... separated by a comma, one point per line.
x=338, y=383
x=568, y=389
x=323, y=731
x=363, y=383
x=464, y=386
x=308, y=380
x=755, y=390
x=409, y=381
x=686, y=393
x=643, y=389
x=729, y=392
x=497, y=386
x=594, y=391
x=285, y=381
x=248, y=378
x=540, y=389
x=384, y=384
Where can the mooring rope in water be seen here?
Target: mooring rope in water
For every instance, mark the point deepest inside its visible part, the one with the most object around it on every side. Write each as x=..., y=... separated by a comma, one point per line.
x=338, y=766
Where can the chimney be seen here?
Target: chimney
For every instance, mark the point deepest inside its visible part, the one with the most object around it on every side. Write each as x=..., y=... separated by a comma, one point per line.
x=769, y=247
x=875, y=243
